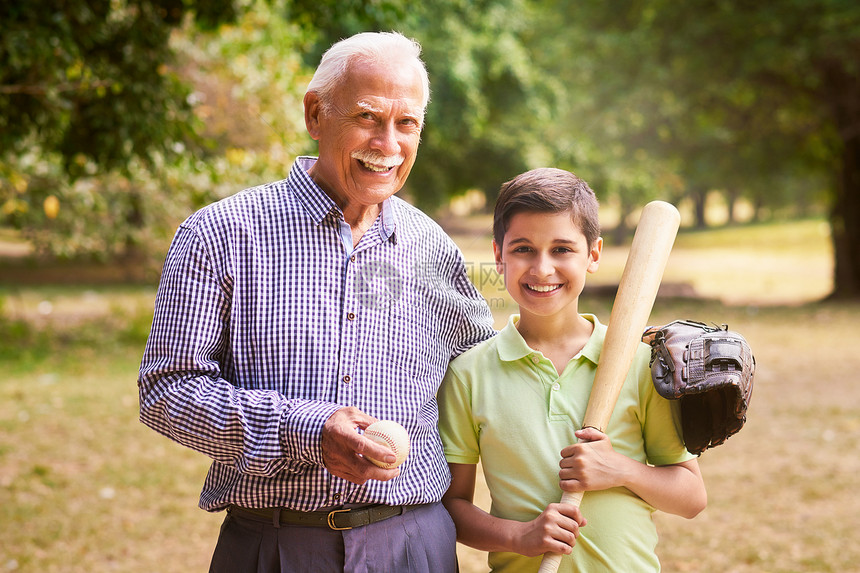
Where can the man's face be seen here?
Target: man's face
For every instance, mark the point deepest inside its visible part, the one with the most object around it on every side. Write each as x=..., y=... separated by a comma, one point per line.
x=368, y=138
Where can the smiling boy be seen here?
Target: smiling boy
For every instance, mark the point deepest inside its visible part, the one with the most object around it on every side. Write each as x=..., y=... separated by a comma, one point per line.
x=513, y=403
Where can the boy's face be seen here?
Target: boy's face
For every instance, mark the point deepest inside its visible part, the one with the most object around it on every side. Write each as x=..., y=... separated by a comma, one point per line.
x=544, y=259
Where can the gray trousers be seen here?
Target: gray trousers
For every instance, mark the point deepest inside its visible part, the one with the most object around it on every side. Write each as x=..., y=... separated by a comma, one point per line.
x=422, y=540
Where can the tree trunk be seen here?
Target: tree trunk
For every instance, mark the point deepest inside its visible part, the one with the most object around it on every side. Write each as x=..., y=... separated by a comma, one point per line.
x=699, y=201
x=732, y=205
x=843, y=89
x=758, y=209
x=619, y=234
x=845, y=224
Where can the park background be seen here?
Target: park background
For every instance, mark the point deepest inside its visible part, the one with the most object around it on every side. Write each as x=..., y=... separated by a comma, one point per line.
x=119, y=118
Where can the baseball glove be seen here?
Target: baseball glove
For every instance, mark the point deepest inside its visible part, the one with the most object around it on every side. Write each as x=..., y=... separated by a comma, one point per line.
x=710, y=370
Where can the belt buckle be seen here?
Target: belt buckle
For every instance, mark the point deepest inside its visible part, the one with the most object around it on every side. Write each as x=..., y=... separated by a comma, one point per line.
x=330, y=519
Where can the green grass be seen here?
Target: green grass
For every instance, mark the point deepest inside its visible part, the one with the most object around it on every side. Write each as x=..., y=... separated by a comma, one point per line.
x=811, y=236
x=86, y=487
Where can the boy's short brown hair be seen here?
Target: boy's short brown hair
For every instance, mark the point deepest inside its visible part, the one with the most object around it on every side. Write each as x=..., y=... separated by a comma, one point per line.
x=547, y=190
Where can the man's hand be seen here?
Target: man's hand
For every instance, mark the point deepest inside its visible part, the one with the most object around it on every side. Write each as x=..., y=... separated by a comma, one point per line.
x=343, y=448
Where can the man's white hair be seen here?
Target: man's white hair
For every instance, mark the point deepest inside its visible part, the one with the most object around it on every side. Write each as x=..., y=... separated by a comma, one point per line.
x=366, y=46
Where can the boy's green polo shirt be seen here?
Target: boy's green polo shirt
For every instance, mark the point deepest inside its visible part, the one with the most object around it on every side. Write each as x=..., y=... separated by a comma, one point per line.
x=504, y=404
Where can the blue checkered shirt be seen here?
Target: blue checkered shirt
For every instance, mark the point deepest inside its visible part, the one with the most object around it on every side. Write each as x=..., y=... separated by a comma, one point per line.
x=267, y=320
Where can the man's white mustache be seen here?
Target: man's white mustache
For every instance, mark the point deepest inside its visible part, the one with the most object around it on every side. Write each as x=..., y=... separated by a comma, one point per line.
x=378, y=159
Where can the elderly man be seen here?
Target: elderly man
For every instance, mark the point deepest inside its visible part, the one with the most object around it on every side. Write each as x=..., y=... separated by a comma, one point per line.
x=292, y=315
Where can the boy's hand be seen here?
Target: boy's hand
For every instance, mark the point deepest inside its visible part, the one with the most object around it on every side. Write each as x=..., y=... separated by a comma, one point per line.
x=592, y=464
x=553, y=531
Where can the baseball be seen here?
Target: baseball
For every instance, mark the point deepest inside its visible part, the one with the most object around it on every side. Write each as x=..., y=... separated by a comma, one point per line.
x=390, y=434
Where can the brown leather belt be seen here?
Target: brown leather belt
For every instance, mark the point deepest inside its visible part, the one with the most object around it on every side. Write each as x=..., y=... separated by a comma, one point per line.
x=336, y=519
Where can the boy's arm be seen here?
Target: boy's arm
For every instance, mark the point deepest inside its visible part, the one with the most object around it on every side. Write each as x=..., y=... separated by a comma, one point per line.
x=554, y=531
x=593, y=465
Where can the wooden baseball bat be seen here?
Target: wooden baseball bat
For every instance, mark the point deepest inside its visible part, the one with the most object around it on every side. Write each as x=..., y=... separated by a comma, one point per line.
x=637, y=290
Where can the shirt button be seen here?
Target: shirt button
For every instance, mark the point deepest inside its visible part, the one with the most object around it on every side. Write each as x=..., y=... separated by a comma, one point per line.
x=556, y=386
x=337, y=497
x=352, y=258
x=347, y=379
x=350, y=316
x=535, y=358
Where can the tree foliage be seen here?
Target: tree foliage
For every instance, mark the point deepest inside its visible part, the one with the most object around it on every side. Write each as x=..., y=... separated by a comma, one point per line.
x=489, y=102
x=755, y=99
x=122, y=112
x=89, y=80
x=90, y=109
x=196, y=138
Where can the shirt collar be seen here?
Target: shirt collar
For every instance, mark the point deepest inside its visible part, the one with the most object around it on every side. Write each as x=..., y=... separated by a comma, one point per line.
x=512, y=346
x=319, y=205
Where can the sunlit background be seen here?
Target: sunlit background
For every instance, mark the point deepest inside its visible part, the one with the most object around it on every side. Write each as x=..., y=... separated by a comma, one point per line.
x=118, y=118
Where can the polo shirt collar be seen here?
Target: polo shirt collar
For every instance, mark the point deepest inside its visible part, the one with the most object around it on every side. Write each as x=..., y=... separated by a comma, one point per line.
x=512, y=346
x=319, y=205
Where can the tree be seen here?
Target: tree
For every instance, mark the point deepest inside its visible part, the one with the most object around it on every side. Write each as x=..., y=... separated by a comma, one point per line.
x=89, y=79
x=643, y=99
x=739, y=92
x=90, y=107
